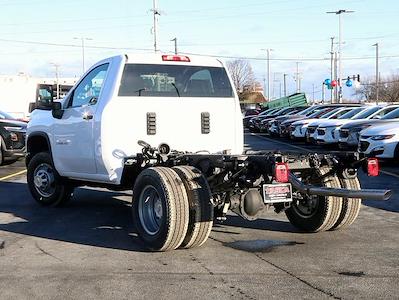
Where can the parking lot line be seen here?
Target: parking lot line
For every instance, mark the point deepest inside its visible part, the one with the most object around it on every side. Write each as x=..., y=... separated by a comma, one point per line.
x=12, y=175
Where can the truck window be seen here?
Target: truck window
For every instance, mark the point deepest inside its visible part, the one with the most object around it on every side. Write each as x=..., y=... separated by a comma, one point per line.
x=89, y=88
x=148, y=80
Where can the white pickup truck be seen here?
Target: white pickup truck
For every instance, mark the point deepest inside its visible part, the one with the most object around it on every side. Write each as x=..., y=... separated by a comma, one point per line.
x=101, y=134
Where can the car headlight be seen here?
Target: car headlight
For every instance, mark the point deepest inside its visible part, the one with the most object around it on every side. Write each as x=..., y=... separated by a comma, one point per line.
x=382, y=137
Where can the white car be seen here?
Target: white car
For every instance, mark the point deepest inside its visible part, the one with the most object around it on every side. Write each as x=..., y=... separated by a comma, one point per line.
x=349, y=133
x=299, y=128
x=326, y=130
x=380, y=141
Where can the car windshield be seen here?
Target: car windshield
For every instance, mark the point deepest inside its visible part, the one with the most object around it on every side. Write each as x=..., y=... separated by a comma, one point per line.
x=151, y=80
x=330, y=113
x=4, y=115
x=308, y=110
x=317, y=112
x=383, y=112
x=352, y=113
x=392, y=115
x=367, y=113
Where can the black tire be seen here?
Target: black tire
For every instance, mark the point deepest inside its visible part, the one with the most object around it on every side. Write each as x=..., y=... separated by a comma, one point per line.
x=1, y=151
x=396, y=153
x=350, y=207
x=325, y=210
x=160, y=208
x=45, y=184
x=200, y=205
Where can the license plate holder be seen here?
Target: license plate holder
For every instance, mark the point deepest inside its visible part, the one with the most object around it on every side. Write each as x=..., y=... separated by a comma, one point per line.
x=277, y=193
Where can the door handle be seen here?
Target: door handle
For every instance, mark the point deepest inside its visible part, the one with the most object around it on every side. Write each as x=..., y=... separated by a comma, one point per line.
x=87, y=116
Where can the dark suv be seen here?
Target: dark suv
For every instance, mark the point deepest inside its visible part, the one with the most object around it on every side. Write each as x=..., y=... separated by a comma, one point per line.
x=12, y=138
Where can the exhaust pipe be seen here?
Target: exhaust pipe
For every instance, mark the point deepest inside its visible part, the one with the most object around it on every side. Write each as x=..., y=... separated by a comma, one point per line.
x=365, y=194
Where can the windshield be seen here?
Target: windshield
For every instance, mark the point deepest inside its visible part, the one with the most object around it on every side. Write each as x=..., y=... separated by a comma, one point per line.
x=392, y=115
x=330, y=113
x=367, y=112
x=308, y=110
x=148, y=80
x=4, y=115
x=351, y=113
x=319, y=111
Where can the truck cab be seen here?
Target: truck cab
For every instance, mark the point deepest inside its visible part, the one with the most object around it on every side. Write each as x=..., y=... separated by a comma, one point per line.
x=187, y=102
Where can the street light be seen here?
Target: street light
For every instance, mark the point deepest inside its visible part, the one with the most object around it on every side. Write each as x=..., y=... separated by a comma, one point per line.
x=339, y=13
x=377, y=75
x=175, y=40
x=56, y=66
x=83, y=39
x=268, y=50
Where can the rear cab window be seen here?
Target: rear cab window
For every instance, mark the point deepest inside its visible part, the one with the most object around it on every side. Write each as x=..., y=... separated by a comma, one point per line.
x=152, y=80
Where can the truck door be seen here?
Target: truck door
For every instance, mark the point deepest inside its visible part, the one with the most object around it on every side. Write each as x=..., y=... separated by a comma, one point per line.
x=73, y=134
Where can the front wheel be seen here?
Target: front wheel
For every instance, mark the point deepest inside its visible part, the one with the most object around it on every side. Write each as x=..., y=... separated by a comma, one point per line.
x=45, y=184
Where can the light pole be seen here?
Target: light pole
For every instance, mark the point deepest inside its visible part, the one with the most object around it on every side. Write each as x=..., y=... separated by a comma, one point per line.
x=377, y=75
x=175, y=40
x=83, y=39
x=57, y=79
x=268, y=50
x=332, y=67
x=285, y=85
x=339, y=13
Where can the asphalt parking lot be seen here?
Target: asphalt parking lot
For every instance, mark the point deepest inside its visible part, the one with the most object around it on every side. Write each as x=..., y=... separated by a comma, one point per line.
x=88, y=249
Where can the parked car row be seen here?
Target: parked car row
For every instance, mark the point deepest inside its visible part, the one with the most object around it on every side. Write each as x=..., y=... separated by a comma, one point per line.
x=373, y=130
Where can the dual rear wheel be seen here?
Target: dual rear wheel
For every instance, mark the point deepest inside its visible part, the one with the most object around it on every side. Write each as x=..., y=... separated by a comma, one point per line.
x=321, y=213
x=172, y=208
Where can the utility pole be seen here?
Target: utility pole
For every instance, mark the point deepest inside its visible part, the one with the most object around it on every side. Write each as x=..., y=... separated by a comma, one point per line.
x=83, y=39
x=268, y=50
x=323, y=87
x=332, y=67
x=175, y=40
x=285, y=84
x=339, y=13
x=156, y=13
x=57, y=79
x=336, y=78
x=377, y=75
x=297, y=78
x=313, y=93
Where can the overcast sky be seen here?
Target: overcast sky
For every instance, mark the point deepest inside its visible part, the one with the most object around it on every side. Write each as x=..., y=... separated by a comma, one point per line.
x=36, y=33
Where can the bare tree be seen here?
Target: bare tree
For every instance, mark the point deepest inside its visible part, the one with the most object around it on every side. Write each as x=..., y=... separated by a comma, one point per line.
x=242, y=75
x=388, y=90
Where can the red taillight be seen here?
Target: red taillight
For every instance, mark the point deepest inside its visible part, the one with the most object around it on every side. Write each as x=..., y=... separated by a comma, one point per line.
x=175, y=58
x=373, y=168
x=281, y=172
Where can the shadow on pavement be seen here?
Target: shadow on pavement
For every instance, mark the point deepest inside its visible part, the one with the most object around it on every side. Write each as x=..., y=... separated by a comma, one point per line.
x=95, y=218
x=261, y=224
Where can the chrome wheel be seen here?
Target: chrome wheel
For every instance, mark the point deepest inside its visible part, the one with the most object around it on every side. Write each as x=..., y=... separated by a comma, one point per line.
x=306, y=207
x=150, y=210
x=43, y=178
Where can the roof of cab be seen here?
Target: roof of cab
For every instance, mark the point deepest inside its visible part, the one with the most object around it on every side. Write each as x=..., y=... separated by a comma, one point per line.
x=156, y=58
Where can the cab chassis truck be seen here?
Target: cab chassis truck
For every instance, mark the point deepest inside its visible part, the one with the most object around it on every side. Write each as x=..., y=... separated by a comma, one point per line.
x=179, y=191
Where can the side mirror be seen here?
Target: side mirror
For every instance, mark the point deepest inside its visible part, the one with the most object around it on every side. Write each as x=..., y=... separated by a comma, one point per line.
x=32, y=106
x=57, y=110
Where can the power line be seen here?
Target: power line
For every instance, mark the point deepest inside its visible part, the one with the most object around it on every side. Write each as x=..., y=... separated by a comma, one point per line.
x=198, y=54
